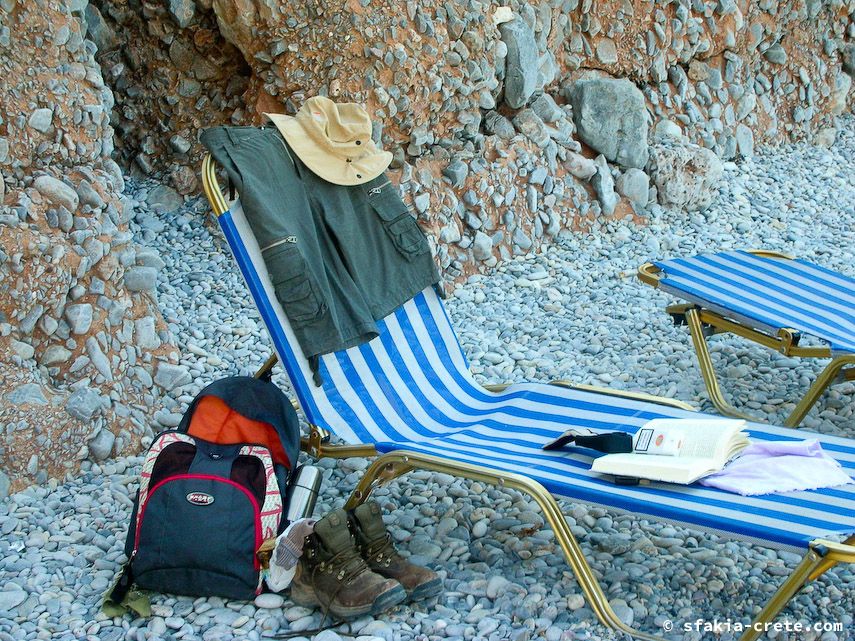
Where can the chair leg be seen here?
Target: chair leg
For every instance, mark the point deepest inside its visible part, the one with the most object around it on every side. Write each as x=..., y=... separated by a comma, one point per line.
x=826, y=378
x=693, y=320
x=806, y=570
x=393, y=464
x=267, y=369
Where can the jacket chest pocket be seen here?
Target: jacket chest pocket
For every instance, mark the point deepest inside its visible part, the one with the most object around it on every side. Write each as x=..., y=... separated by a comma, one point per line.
x=294, y=285
x=400, y=226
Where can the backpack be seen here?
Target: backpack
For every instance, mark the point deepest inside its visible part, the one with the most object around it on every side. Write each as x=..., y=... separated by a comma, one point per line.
x=211, y=492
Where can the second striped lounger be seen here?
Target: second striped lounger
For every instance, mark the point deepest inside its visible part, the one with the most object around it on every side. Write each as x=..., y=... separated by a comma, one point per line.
x=768, y=298
x=408, y=396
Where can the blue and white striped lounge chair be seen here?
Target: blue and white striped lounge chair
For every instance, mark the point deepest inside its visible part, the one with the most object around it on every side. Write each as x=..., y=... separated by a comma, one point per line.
x=768, y=298
x=408, y=395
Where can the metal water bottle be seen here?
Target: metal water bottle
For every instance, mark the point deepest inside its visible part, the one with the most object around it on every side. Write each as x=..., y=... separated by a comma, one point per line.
x=302, y=492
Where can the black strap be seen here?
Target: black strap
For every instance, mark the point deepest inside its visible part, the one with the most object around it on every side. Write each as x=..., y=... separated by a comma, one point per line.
x=608, y=442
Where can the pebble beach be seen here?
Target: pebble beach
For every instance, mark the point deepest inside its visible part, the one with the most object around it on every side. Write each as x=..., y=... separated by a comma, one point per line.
x=573, y=311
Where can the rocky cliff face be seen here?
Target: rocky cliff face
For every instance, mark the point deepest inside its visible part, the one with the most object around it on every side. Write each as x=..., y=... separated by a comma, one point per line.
x=508, y=123
x=80, y=334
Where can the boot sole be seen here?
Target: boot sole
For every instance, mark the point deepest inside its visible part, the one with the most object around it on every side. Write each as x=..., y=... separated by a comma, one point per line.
x=426, y=590
x=307, y=598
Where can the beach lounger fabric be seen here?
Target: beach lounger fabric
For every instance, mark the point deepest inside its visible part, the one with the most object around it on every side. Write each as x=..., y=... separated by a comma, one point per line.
x=768, y=298
x=409, y=395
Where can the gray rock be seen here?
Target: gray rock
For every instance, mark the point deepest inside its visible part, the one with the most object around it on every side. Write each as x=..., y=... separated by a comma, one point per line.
x=27, y=393
x=11, y=599
x=5, y=483
x=88, y=196
x=98, y=30
x=744, y=141
x=532, y=127
x=579, y=166
x=101, y=446
x=79, y=317
x=685, y=175
x=138, y=279
x=521, y=68
x=546, y=108
x=57, y=192
x=54, y=355
x=775, y=54
x=183, y=11
x=825, y=137
x=179, y=144
x=635, y=185
x=170, y=376
x=604, y=186
x=456, y=171
x=611, y=118
x=164, y=199
x=83, y=404
x=4, y=150
x=607, y=51
x=99, y=359
x=41, y=119
x=667, y=129
x=482, y=246
x=422, y=202
x=145, y=334
x=847, y=56
x=495, y=123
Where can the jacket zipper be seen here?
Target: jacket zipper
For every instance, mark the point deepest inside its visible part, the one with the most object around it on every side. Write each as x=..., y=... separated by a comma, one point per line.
x=287, y=239
x=256, y=564
x=376, y=190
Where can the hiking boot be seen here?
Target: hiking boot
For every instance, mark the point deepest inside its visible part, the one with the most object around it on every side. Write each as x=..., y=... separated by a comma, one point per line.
x=375, y=543
x=332, y=574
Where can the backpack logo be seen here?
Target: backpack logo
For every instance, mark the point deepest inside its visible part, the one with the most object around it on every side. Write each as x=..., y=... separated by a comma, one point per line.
x=200, y=498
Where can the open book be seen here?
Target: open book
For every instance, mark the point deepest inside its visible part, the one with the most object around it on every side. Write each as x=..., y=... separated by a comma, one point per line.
x=677, y=450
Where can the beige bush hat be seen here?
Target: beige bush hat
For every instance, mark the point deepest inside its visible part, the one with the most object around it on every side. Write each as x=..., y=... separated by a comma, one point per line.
x=334, y=140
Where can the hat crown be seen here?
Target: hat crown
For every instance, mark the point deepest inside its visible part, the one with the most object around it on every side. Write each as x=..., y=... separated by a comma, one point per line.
x=338, y=124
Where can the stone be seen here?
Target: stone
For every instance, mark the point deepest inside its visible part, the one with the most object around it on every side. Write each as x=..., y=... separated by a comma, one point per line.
x=607, y=51
x=604, y=186
x=635, y=185
x=98, y=31
x=532, y=127
x=5, y=484
x=54, y=355
x=170, y=376
x=57, y=192
x=840, y=93
x=99, y=359
x=101, y=446
x=183, y=11
x=41, y=119
x=83, y=404
x=456, y=171
x=139, y=279
x=611, y=118
x=579, y=166
x=482, y=246
x=164, y=199
x=775, y=54
x=88, y=196
x=79, y=317
x=145, y=334
x=496, y=124
x=28, y=393
x=269, y=601
x=685, y=175
x=22, y=349
x=744, y=141
x=825, y=137
x=11, y=599
x=521, y=68
x=546, y=108
x=667, y=129
x=847, y=56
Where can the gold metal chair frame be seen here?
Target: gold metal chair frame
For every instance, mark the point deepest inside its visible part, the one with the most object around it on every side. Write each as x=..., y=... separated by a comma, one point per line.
x=704, y=323
x=821, y=555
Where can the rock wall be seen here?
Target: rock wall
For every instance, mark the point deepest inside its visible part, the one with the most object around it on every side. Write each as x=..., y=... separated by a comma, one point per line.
x=80, y=334
x=495, y=113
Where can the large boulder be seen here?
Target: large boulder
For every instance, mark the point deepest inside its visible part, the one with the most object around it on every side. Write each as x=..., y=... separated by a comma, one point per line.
x=686, y=175
x=611, y=118
x=521, y=63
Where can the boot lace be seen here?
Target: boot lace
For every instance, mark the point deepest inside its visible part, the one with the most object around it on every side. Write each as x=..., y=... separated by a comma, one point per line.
x=381, y=550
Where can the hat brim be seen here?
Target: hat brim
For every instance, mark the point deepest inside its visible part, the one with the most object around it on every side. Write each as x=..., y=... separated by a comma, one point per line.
x=332, y=169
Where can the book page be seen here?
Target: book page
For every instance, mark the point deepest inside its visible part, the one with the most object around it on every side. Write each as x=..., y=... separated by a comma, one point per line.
x=672, y=469
x=709, y=438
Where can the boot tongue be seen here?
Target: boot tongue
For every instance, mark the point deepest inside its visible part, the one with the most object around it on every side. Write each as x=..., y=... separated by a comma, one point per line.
x=370, y=523
x=333, y=532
